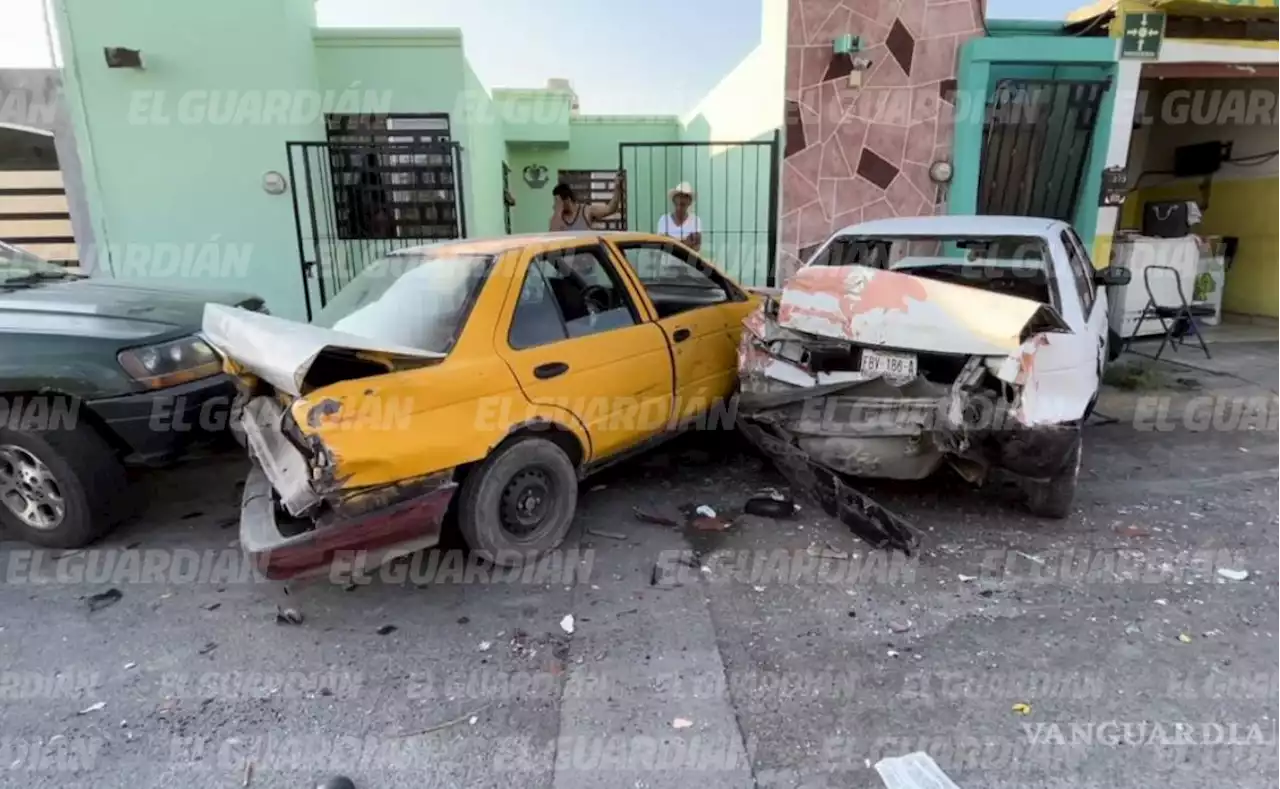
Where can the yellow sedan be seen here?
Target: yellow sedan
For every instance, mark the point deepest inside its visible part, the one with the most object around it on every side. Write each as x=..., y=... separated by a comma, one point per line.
x=478, y=377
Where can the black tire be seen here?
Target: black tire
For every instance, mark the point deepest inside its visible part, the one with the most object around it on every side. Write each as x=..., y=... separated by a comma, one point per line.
x=1052, y=498
x=89, y=476
x=487, y=495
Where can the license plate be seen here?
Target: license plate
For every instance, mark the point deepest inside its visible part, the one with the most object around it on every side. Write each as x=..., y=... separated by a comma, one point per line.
x=889, y=365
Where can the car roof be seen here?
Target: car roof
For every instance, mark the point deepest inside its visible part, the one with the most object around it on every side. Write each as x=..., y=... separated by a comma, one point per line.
x=499, y=244
x=957, y=225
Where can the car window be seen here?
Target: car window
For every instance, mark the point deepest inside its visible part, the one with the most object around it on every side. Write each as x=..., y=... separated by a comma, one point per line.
x=566, y=294
x=1081, y=270
x=657, y=266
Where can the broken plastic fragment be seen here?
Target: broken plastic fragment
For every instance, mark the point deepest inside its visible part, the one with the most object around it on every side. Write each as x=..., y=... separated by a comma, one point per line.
x=1184, y=638
x=681, y=723
x=705, y=511
x=913, y=771
x=93, y=707
x=1022, y=708
x=566, y=624
x=1232, y=575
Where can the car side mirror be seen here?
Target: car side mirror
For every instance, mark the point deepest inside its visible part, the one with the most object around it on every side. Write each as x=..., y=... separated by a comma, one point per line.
x=1112, y=276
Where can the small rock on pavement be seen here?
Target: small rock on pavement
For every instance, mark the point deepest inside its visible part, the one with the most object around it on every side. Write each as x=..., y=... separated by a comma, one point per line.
x=681, y=723
x=288, y=616
x=387, y=630
x=566, y=624
x=900, y=627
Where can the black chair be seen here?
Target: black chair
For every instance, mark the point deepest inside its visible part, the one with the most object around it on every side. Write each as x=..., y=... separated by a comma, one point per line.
x=1178, y=320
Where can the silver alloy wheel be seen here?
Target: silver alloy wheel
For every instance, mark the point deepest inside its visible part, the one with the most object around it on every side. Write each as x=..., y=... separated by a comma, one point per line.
x=29, y=489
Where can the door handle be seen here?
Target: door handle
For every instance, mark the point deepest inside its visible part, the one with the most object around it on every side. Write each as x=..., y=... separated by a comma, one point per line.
x=550, y=370
x=681, y=335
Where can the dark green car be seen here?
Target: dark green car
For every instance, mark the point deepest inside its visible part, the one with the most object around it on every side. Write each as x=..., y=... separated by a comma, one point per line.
x=96, y=375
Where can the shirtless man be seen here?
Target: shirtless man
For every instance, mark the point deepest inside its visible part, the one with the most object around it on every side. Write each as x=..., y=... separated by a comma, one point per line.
x=569, y=214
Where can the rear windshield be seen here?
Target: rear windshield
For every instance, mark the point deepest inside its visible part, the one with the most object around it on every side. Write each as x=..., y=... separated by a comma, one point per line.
x=1013, y=265
x=419, y=301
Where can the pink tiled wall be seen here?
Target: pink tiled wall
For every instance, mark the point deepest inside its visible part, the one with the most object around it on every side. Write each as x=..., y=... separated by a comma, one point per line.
x=859, y=153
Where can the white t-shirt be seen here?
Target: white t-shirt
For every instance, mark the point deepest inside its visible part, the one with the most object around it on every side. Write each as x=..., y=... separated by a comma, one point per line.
x=667, y=226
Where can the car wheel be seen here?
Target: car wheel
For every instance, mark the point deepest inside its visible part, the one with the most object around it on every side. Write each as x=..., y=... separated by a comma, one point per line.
x=519, y=503
x=59, y=488
x=1052, y=498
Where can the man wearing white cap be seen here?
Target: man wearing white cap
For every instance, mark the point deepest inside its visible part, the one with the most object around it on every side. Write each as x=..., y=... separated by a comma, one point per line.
x=681, y=224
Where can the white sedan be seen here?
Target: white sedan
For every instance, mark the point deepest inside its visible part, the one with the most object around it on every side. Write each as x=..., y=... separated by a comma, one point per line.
x=905, y=344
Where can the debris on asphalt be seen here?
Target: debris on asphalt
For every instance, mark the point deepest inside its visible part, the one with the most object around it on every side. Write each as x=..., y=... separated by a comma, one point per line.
x=337, y=782
x=1233, y=575
x=825, y=551
x=191, y=515
x=386, y=630
x=93, y=708
x=913, y=771
x=758, y=588
x=1030, y=557
x=288, y=616
x=595, y=488
x=102, y=600
x=1162, y=601
x=1184, y=638
x=652, y=517
x=1022, y=708
x=485, y=646
x=865, y=517
x=964, y=579
x=892, y=653
x=211, y=606
x=128, y=666
x=900, y=627
x=612, y=535
x=208, y=647
x=771, y=505
x=462, y=620
x=709, y=522
x=248, y=774
x=451, y=722
x=566, y=624
x=1133, y=531
x=681, y=723
x=704, y=511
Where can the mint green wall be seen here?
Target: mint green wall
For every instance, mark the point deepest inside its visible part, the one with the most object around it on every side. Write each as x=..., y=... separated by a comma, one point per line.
x=158, y=171
x=535, y=117
x=593, y=145
x=484, y=147
x=983, y=61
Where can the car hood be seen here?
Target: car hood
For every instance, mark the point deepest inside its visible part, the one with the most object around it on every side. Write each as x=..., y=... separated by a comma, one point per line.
x=896, y=310
x=150, y=308
x=281, y=351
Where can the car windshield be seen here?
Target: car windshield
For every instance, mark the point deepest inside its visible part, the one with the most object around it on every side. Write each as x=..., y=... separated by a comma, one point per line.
x=1013, y=265
x=415, y=300
x=18, y=265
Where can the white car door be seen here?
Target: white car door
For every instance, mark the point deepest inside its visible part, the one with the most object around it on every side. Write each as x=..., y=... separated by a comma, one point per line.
x=1063, y=377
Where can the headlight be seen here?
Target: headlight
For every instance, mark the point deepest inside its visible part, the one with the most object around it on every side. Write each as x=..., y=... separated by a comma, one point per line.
x=171, y=363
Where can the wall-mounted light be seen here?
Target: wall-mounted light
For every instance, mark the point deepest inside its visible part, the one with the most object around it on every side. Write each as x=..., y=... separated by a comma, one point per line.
x=273, y=183
x=940, y=172
x=123, y=57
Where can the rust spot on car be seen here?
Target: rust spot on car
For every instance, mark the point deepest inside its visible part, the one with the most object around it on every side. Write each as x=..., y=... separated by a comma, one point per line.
x=321, y=411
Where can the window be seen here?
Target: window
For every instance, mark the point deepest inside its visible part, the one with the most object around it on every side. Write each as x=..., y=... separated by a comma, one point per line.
x=674, y=283
x=393, y=177
x=1081, y=270
x=595, y=187
x=567, y=294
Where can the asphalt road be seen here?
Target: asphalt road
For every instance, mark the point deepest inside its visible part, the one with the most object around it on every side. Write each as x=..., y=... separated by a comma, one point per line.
x=762, y=664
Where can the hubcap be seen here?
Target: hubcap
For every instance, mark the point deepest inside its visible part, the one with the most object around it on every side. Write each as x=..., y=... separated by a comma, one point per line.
x=29, y=489
x=526, y=502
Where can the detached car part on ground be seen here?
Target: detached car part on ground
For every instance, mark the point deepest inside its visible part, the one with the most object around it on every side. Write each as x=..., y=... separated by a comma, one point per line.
x=96, y=375
x=906, y=344
x=475, y=378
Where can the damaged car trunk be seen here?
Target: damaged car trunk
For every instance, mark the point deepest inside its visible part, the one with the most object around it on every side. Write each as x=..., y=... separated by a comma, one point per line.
x=859, y=371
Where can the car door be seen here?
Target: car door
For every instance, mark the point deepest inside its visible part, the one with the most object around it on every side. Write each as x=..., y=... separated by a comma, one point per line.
x=700, y=311
x=1064, y=376
x=1093, y=297
x=575, y=337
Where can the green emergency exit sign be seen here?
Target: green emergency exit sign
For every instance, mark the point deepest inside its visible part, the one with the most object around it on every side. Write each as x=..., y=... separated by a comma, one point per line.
x=1142, y=36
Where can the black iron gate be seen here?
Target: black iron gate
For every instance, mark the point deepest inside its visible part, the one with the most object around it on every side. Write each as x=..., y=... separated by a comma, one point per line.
x=355, y=202
x=1035, y=146
x=735, y=187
